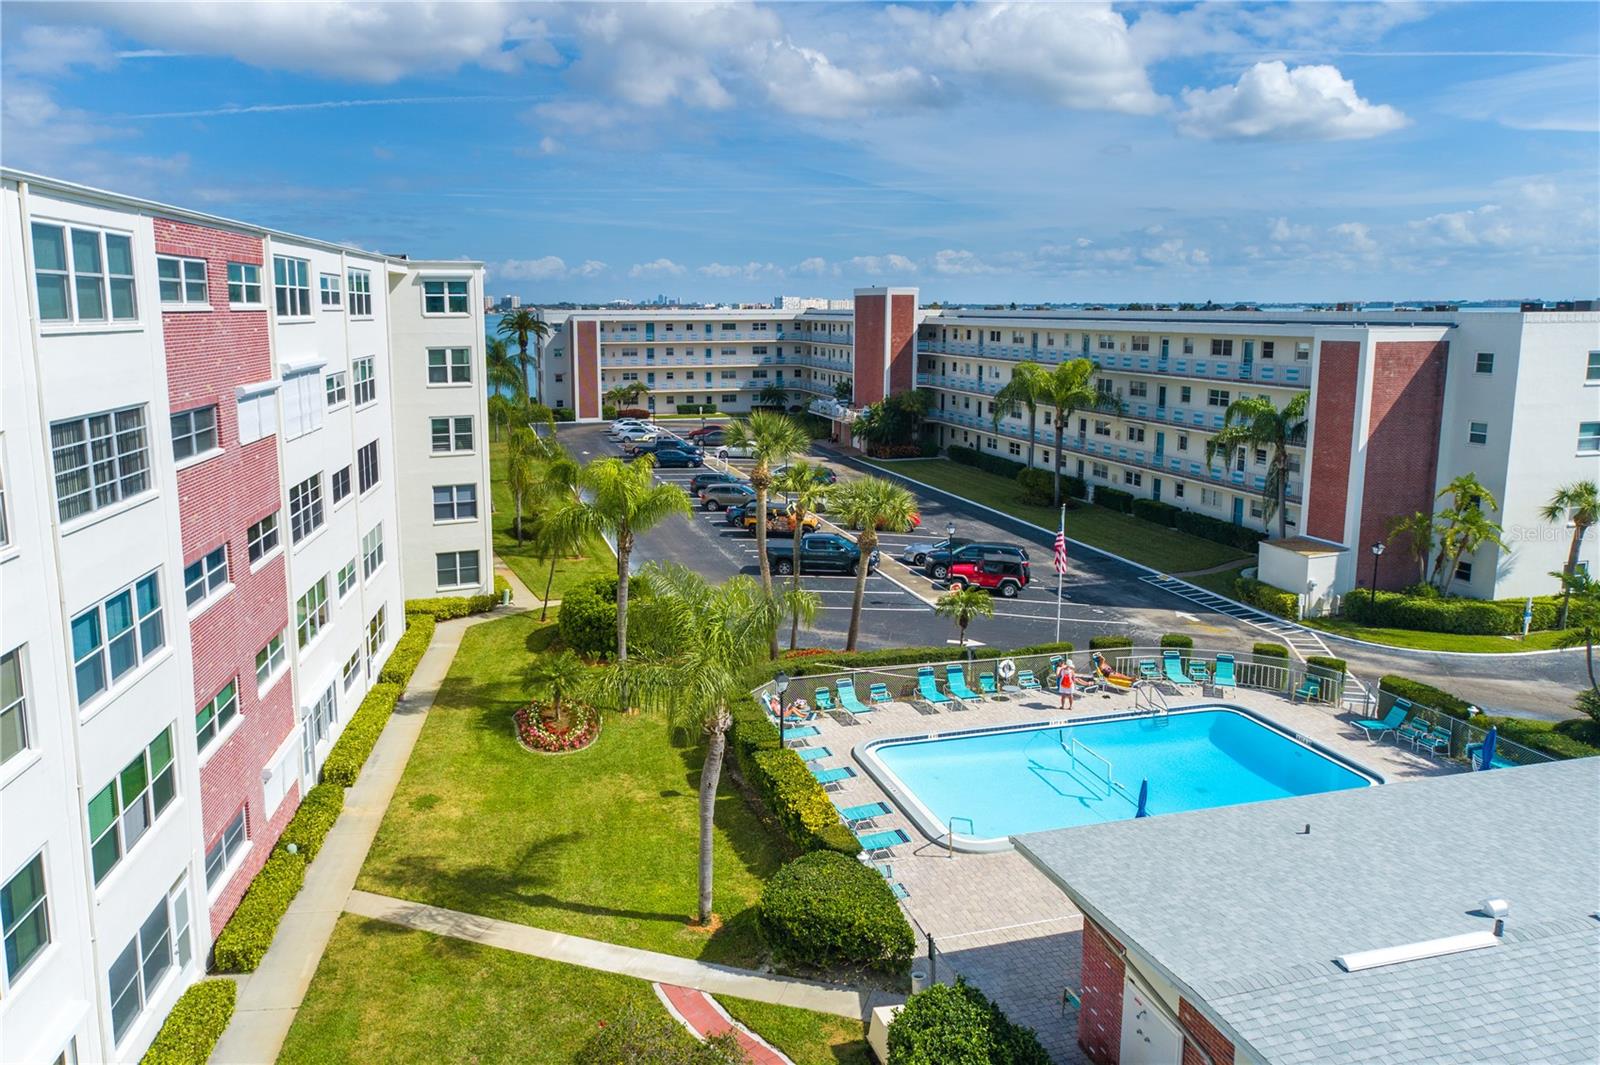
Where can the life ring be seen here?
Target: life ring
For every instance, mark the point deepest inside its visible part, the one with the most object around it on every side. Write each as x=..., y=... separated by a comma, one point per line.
x=1008, y=669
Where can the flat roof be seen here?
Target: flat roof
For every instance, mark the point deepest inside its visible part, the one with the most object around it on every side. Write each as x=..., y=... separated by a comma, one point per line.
x=1306, y=545
x=1244, y=912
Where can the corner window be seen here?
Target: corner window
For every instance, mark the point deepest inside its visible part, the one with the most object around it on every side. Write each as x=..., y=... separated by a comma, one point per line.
x=449, y=366
x=228, y=849
x=215, y=715
x=457, y=568
x=1477, y=432
x=194, y=432
x=451, y=434
x=311, y=612
x=455, y=502
x=444, y=297
x=1486, y=362
x=292, y=286
x=360, y=293
x=305, y=508
x=115, y=635
x=83, y=275
x=244, y=285
x=263, y=537
x=123, y=811
x=269, y=662
x=328, y=288
x=366, y=380
x=25, y=917
x=205, y=575
x=120, y=466
x=182, y=282
x=13, y=707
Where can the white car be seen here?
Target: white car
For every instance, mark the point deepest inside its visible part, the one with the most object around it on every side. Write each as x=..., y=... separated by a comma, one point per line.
x=621, y=424
x=637, y=434
x=726, y=452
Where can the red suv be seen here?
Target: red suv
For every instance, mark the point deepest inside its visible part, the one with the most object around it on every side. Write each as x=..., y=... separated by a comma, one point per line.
x=1003, y=574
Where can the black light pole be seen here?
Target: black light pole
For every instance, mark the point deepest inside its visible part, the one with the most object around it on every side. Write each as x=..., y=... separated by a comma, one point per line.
x=1377, y=553
x=950, y=534
x=781, y=682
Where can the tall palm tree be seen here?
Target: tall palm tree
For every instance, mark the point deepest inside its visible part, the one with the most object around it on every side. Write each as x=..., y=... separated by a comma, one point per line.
x=772, y=439
x=706, y=640
x=500, y=411
x=503, y=372
x=1469, y=530
x=1417, y=529
x=1256, y=422
x=1467, y=495
x=1587, y=631
x=619, y=499
x=523, y=449
x=772, y=395
x=805, y=483
x=962, y=606
x=626, y=394
x=869, y=504
x=555, y=483
x=1067, y=388
x=1022, y=391
x=522, y=324
x=1579, y=504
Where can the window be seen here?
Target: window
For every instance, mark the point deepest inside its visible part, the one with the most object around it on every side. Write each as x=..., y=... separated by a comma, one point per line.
x=1132, y=477
x=1267, y=348
x=360, y=288
x=367, y=466
x=1177, y=490
x=74, y=275
x=1589, y=436
x=1102, y=428
x=303, y=402
x=311, y=612
x=263, y=537
x=25, y=917
x=1136, y=434
x=728, y=397
x=1106, y=342
x=214, y=716
x=292, y=286
x=1592, y=374
x=452, y=366
x=1140, y=344
x=1185, y=393
x=328, y=287
x=182, y=281
x=1188, y=345
x=1099, y=470
x=1464, y=571
x=1216, y=397
x=115, y=635
x=122, y=811
x=1261, y=456
x=269, y=662
x=444, y=297
x=1222, y=349
x=162, y=939
x=1256, y=510
x=13, y=707
x=457, y=568
x=352, y=669
x=372, y=551
x=335, y=387
x=1210, y=497
x=376, y=631
x=194, y=432
x=99, y=460
x=1302, y=351
x=206, y=574
x=1477, y=432
x=1486, y=362
x=347, y=578
x=366, y=380
x=455, y=502
x=341, y=483
x=1013, y=447
x=1183, y=442
x=305, y=508
x=227, y=849
x=244, y=284
x=451, y=434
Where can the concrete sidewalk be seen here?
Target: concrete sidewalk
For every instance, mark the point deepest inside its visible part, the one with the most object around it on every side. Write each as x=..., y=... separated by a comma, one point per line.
x=624, y=961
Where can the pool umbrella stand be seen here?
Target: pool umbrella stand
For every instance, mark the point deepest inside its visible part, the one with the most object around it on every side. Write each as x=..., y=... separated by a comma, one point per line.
x=1144, y=799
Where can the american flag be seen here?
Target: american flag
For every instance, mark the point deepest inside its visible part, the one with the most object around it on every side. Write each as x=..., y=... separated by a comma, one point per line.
x=1061, y=547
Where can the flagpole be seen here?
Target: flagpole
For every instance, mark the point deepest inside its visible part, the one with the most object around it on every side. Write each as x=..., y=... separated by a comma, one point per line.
x=1061, y=574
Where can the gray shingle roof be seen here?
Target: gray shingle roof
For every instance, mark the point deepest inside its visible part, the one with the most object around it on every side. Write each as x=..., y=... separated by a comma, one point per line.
x=1246, y=914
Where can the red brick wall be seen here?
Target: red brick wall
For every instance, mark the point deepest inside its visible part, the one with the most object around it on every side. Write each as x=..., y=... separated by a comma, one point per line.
x=586, y=364
x=1100, y=1017
x=871, y=321
x=1202, y=1031
x=903, y=343
x=1334, y=421
x=1402, y=447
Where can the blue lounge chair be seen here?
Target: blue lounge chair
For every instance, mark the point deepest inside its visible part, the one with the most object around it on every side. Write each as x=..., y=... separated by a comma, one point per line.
x=855, y=816
x=986, y=684
x=879, y=693
x=847, y=698
x=1147, y=669
x=798, y=732
x=928, y=687
x=813, y=754
x=874, y=843
x=825, y=699
x=1412, y=731
x=1223, y=677
x=1050, y=675
x=1475, y=758
x=1026, y=680
x=1375, y=727
x=1172, y=669
x=1310, y=690
x=956, y=681
x=831, y=777
x=1199, y=672
x=895, y=887
x=1436, y=742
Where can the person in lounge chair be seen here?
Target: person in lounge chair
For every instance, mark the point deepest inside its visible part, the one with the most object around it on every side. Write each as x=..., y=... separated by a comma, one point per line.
x=798, y=711
x=1066, y=683
x=1109, y=675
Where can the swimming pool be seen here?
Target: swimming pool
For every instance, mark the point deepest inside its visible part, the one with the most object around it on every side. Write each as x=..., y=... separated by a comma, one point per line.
x=1028, y=779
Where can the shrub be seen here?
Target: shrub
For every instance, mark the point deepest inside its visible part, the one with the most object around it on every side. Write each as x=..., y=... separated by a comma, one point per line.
x=1426, y=694
x=1110, y=643
x=1153, y=510
x=634, y=412
x=956, y=1024
x=444, y=608
x=826, y=909
x=247, y=935
x=1114, y=499
x=798, y=803
x=1337, y=666
x=1062, y=648
x=639, y=1038
x=697, y=408
x=1270, y=650
x=408, y=650
x=1178, y=640
x=608, y=411
x=1222, y=532
x=564, y=414
x=350, y=751
x=752, y=731
x=196, y=1022
x=1467, y=617
x=312, y=821
x=1036, y=485
x=983, y=460
x=1588, y=703
x=587, y=620
x=1267, y=597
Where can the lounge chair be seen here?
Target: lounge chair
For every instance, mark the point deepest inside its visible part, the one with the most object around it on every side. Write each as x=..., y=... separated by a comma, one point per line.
x=875, y=843
x=1108, y=677
x=1412, y=731
x=1050, y=674
x=928, y=687
x=825, y=700
x=832, y=776
x=879, y=693
x=855, y=816
x=1027, y=681
x=1222, y=677
x=1147, y=669
x=1199, y=672
x=956, y=681
x=895, y=887
x=1475, y=758
x=813, y=754
x=798, y=732
x=1436, y=742
x=986, y=684
x=1375, y=727
x=1172, y=669
x=1310, y=690
x=847, y=698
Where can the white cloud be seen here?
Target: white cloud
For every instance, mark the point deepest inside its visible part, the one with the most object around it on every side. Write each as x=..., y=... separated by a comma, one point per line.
x=1270, y=101
x=804, y=81
x=1358, y=235
x=877, y=265
x=815, y=266
x=1558, y=96
x=1173, y=252
x=1284, y=231
x=656, y=268
x=749, y=271
x=651, y=55
x=589, y=268
x=549, y=145
x=548, y=268
x=953, y=262
x=1487, y=225
x=44, y=50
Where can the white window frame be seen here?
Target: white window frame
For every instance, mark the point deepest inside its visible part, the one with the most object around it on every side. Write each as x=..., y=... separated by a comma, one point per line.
x=39, y=906
x=455, y=503
x=454, y=367
x=446, y=296
x=454, y=570
x=372, y=552
x=171, y=938
x=377, y=632
x=232, y=844
x=188, y=298
x=73, y=279
x=311, y=613
x=1472, y=430
x=309, y=516
x=271, y=661
x=14, y=702
x=358, y=291
x=221, y=718
x=145, y=633
x=263, y=540
x=1588, y=438
x=364, y=380
x=336, y=388
x=291, y=288
x=125, y=474
x=329, y=293
x=339, y=484
x=144, y=801
x=346, y=579
x=368, y=466
x=352, y=670
x=244, y=283
x=453, y=434
x=1478, y=363
x=207, y=575
x=191, y=435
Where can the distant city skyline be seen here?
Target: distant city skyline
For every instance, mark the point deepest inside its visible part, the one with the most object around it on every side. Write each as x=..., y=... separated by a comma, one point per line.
x=1061, y=153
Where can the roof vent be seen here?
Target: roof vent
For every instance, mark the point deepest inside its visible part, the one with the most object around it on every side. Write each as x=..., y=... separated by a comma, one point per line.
x=1429, y=948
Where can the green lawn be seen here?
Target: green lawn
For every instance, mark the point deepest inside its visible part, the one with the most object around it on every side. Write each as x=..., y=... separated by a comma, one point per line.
x=1437, y=641
x=389, y=994
x=1221, y=581
x=596, y=560
x=1134, y=538
x=599, y=843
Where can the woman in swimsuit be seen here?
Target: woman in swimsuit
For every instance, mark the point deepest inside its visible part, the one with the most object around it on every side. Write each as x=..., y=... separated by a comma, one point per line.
x=1066, y=682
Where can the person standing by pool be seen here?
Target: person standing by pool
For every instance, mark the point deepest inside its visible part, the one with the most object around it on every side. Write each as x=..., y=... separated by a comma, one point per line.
x=1066, y=683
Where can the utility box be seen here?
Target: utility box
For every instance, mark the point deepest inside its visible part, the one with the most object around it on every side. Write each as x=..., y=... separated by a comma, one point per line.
x=878, y=1030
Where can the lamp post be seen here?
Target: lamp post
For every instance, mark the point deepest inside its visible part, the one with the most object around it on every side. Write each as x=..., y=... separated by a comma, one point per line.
x=1377, y=553
x=950, y=531
x=781, y=682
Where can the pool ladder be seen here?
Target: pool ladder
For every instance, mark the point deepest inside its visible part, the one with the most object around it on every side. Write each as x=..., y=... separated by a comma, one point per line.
x=1146, y=696
x=950, y=834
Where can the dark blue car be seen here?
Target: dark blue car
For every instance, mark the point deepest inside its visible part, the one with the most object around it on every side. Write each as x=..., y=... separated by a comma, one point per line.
x=668, y=458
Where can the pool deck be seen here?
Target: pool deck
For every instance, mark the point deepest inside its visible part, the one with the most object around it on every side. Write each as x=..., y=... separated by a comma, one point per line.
x=994, y=918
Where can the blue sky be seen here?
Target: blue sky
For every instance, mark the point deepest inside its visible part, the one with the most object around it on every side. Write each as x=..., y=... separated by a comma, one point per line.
x=982, y=152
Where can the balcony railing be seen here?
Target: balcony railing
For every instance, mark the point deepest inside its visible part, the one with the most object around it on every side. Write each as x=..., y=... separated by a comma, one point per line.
x=1276, y=371
x=762, y=336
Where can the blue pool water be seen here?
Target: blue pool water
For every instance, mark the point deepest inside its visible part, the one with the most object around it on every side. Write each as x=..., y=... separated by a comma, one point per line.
x=1029, y=780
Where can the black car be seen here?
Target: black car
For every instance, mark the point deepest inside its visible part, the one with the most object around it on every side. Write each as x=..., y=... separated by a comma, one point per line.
x=702, y=480
x=937, y=564
x=668, y=458
x=826, y=475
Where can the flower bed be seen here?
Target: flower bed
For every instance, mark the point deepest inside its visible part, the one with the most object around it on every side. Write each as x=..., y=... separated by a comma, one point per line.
x=537, y=734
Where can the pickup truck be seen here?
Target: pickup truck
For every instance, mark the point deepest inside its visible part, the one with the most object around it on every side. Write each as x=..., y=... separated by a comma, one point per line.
x=819, y=553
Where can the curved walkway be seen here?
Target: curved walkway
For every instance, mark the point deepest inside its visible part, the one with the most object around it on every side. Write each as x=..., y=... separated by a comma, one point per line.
x=701, y=1014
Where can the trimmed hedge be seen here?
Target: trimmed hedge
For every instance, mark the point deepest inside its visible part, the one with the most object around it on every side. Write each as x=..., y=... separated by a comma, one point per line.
x=408, y=650
x=1270, y=650
x=1156, y=512
x=443, y=608
x=827, y=910
x=247, y=935
x=798, y=803
x=196, y=1022
x=1336, y=665
x=1575, y=738
x=971, y=456
x=697, y=408
x=1264, y=596
x=1222, y=532
x=350, y=751
x=1114, y=499
x=309, y=826
x=1037, y=486
x=1110, y=643
x=1178, y=640
x=564, y=414
x=956, y=1024
x=1465, y=617
x=587, y=620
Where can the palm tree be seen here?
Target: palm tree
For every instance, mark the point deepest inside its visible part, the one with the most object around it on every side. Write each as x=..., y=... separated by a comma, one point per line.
x=706, y=640
x=962, y=606
x=555, y=482
x=1467, y=494
x=1066, y=388
x=523, y=449
x=503, y=373
x=772, y=440
x=522, y=324
x=1022, y=390
x=1587, y=631
x=619, y=499
x=626, y=394
x=1417, y=529
x=772, y=395
x=802, y=604
x=1579, y=504
x=559, y=676
x=500, y=411
x=870, y=504
x=806, y=483
x=1256, y=422
x=844, y=391
x=1469, y=530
